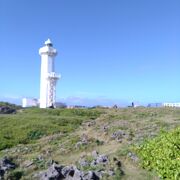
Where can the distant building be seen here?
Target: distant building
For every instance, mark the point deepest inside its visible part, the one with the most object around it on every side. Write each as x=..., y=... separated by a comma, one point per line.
x=134, y=104
x=60, y=105
x=76, y=106
x=29, y=102
x=171, y=104
x=155, y=105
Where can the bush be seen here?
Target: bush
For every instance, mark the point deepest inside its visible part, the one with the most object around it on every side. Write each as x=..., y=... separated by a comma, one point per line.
x=35, y=134
x=162, y=154
x=99, y=143
x=15, y=175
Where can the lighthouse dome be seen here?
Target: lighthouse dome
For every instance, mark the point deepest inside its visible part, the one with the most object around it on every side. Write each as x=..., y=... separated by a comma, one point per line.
x=48, y=43
x=48, y=49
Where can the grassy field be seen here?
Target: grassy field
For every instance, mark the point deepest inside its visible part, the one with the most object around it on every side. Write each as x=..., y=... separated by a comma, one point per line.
x=31, y=124
x=39, y=136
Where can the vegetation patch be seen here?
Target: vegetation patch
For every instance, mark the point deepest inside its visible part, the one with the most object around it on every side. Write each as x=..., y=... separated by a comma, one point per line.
x=15, y=174
x=33, y=123
x=162, y=154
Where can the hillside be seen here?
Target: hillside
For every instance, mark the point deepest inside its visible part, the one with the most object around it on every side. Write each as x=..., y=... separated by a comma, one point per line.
x=92, y=140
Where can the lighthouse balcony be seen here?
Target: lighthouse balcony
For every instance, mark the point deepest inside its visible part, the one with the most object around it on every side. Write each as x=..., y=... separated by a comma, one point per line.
x=53, y=75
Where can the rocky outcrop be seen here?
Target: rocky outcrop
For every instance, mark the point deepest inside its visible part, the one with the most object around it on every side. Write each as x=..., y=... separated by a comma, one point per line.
x=83, y=141
x=53, y=172
x=100, y=159
x=133, y=157
x=5, y=165
x=120, y=135
x=99, y=163
x=58, y=172
x=102, y=163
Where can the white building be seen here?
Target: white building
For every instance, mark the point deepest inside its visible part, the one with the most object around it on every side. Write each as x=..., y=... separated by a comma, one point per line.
x=48, y=76
x=29, y=102
x=171, y=104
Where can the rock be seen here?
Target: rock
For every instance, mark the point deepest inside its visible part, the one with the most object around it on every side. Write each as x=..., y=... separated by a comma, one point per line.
x=91, y=123
x=5, y=165
x=100, y=173
x=91, y=175
x=83, y=141
x=78, y=144
x=57, y=172
x=111, y=172
x=2, y=172
x=94, y=163
x=120, y=135
x=53, y=172
x=119, y=139
x=71, y=172
x=40, y=158
x=99, y=159
x=78, y=175
x=105, y=128
x=68, y=171
x=102, y=159
x=83, y=163
x=95, y=154
x=133, y=157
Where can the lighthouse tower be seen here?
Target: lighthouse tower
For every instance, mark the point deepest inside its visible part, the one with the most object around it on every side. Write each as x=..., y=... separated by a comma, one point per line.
x=48, y=76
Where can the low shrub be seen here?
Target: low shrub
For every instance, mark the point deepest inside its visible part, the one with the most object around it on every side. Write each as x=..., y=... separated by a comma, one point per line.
x=162, y=154
x=15, y=174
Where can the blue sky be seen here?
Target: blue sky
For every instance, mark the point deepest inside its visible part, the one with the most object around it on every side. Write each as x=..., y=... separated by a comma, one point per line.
x=109, y=50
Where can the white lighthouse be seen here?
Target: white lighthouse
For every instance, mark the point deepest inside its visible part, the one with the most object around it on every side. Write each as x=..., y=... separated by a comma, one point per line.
x=48, y=76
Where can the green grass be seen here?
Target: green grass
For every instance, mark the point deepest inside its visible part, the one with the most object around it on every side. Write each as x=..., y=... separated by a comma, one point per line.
x=33, y=123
